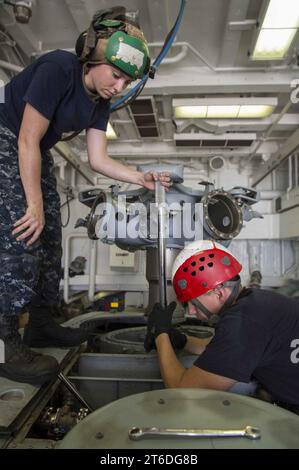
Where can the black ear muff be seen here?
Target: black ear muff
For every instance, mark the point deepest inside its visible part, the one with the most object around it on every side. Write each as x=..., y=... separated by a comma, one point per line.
x=80, y=44
x=147, y=66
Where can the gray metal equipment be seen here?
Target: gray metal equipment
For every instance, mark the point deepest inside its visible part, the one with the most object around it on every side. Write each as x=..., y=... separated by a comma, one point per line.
x=130, y=340
x=164, y=222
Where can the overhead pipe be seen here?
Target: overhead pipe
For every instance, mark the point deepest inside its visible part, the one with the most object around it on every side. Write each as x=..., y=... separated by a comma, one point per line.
x=267, y=134
x=182, y=153
x=296, y=169
x=237, y=69
x=268, y=195
x=290, y=174
x=181, y=55
x=187, y=45
x=175, y=59
x=12, y=67
x=168, y=60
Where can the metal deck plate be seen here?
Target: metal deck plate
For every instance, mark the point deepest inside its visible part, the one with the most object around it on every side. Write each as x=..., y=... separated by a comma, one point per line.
x=16, y=397
x=108, y=427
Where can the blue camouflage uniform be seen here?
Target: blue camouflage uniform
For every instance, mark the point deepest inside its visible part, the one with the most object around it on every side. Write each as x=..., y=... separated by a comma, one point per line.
x=27, y=273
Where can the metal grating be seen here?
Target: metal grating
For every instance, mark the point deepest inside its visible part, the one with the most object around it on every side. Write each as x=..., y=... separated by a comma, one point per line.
x=144, y=115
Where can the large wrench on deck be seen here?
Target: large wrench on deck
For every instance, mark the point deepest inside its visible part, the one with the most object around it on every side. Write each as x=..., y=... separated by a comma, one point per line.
x=136, y=434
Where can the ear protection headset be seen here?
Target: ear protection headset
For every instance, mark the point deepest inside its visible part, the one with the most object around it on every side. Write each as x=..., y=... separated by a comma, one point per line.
x=91, y=48
x=111, y=38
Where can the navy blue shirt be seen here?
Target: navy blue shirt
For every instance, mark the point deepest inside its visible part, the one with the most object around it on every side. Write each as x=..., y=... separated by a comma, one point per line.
x=53, y=85
x=256, y=339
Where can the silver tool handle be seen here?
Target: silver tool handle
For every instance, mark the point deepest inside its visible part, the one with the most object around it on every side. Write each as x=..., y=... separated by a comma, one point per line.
x=162, y=214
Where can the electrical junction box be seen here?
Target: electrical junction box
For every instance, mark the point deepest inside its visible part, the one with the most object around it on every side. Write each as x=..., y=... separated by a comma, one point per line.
x=122, y=259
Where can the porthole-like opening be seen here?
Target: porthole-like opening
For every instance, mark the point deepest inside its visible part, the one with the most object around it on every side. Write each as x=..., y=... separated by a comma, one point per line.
x=223, y=215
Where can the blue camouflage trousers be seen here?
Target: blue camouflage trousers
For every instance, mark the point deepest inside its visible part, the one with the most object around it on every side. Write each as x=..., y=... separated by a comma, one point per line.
x=28, y=275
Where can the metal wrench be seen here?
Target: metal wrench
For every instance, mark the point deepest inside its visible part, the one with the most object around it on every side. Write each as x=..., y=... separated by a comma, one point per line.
x=137, y=434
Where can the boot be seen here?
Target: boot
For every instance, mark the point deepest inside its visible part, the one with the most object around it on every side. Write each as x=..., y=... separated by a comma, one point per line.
x=43, y=331
x=20, y=363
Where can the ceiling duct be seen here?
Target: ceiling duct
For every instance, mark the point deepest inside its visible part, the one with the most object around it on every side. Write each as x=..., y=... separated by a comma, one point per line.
x=227, y=140
x=144, y=116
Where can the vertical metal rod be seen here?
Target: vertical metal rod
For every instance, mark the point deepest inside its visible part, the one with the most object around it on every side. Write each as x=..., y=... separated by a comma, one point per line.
x=296, y=157
x=92, y=269
x=74, y=391
x=160, y=202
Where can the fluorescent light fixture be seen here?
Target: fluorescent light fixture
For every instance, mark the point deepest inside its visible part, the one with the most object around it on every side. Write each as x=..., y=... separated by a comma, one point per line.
x=222, y=111
x=110, y=133
x=183, y=112
x=281, y=14
x=255, y=111
x=278, y=30
x=224, y=108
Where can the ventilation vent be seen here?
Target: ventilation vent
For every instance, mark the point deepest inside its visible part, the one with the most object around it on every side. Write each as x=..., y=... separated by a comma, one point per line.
x=205, y=140
x=145, y=117
x=217, y=163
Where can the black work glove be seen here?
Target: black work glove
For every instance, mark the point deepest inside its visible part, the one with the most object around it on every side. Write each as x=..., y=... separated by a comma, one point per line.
x=177, y=338
x=159, y=321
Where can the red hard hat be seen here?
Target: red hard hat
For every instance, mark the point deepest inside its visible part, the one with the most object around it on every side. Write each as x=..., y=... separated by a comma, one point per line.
x=200, y=267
